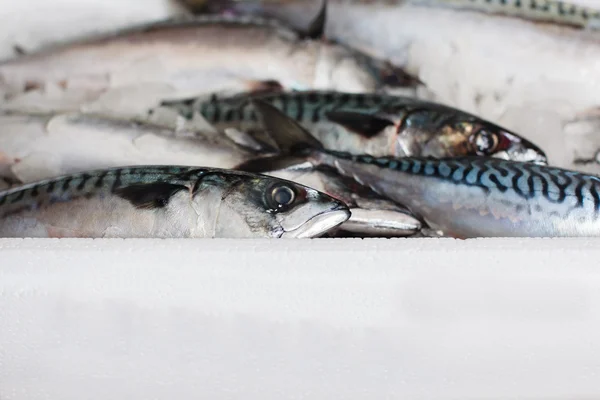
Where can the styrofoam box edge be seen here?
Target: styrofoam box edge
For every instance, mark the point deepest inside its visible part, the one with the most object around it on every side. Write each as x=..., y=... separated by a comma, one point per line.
x=326, y=318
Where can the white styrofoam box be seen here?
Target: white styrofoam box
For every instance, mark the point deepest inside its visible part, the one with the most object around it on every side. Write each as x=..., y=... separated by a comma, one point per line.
x=290, y=319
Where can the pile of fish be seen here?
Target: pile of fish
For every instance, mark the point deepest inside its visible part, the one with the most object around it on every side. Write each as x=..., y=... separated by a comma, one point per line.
x=302, y=119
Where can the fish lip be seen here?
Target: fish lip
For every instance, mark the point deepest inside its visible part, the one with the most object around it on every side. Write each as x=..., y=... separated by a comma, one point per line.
x=386, y=223
x=522, y=154
x=320, y=223
x=519, y=149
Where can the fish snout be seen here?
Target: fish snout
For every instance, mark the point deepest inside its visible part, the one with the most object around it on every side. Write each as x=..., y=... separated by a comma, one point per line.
x=315, y=218
x=522, y=150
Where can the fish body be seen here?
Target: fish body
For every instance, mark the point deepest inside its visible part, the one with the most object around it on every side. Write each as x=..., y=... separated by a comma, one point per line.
x=134, y=68
x=467, y=197
x=167, y=202
x=35, y=147
x=460, y=51
x=375, y=124
x=463, y=197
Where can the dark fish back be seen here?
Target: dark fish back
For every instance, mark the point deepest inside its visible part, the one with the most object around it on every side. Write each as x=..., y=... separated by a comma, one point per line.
x=525, y=180
x=93, y=184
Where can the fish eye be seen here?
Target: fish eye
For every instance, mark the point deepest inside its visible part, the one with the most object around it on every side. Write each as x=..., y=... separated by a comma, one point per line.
x=281, y=196
x=484, y=142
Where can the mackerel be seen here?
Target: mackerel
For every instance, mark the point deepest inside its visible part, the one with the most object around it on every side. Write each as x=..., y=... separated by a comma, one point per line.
x=40, y=146
x=375, y=124
x=167, y=202
x=464, y=197
x=133, y=69
x=467, y=55
x=372, y=215
x=36, y=147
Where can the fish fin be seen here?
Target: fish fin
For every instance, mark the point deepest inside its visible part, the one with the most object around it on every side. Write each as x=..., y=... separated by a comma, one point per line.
x=364, y=124
x=288, y=134
x=316, y=29
x=270, y=163
x=151, y=195
x=19, y=50
x=8, y=182
x=397, y=77
x=585, y=161
x=205, y=6
x=268, y=86
x=247, y=141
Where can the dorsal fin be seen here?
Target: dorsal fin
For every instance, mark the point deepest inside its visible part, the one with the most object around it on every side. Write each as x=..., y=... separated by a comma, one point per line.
x=364, y=124
x=19, y=51
x=316, y=29
x=150, y=195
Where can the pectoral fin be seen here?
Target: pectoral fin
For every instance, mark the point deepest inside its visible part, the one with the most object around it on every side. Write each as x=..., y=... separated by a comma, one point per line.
x=363, y=124
x=267, y=164
x=151, y=195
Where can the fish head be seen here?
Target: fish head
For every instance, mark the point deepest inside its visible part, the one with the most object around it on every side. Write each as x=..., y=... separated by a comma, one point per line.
x=436, y=132
x=490, y=140
x=372, y=215
x=264, y=206
x=303, y=171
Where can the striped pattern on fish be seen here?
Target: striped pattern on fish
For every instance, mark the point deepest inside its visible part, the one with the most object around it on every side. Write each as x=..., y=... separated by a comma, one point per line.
x=558, y=12
x=477, y=197
x=462, y=196
x=376, y=124
x=167, y=202
x=525, y=180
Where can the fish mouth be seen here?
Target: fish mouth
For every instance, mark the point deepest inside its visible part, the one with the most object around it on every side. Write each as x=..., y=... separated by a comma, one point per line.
x=523, y=154
x=522, y=150
x=319, y=224
x=518, y=149
x=381, y=223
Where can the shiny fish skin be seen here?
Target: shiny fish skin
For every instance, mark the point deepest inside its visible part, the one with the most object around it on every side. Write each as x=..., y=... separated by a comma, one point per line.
x=476, y=197
x=166, y=202
x=376, y=124
x=558, y=12
x=134, y=69
x=35, y=147
x=465, y=58
x=463, y=197
x=372, y=215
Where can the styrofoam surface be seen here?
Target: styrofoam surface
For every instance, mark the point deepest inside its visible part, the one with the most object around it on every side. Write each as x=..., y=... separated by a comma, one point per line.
x=335, y=319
